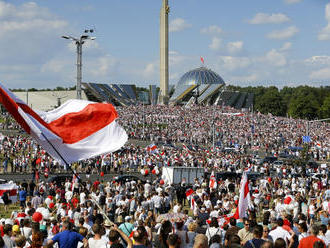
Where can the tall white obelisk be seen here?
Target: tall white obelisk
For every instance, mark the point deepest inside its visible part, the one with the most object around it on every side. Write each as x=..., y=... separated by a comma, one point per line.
x=164, y=52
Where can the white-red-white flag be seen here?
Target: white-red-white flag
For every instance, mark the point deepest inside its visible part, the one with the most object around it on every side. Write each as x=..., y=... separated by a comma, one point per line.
x=213, y=181
x=11, y=189
x=189, y=192
x=244, y=198
x=76, y=130
x=202, y=60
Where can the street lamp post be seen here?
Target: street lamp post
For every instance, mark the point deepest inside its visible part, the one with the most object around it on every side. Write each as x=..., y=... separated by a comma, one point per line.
x=79, y=42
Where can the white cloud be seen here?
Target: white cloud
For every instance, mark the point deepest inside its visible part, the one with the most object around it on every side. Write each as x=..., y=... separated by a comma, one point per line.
x=324, y=34
x=284, y=33
x=292, y=1
x=178, y=24
x=102, y=66
x=235, y=47
x=263, y=18
x=231, y=63
x=286, y=46
x=318, y=60
x=55, y=65
x=175, y=58
x=275, y=58
x=213, y=30
x=215, y=43
x=149, y=70
x=320, y=74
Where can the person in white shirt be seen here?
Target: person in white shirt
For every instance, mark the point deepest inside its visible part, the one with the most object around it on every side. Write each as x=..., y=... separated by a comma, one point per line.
x=279, y=232
x=158, y=201
x=213, y=229
x=97, y=241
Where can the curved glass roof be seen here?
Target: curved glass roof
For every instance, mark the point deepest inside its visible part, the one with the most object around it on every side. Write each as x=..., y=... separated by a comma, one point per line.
x=200, y=76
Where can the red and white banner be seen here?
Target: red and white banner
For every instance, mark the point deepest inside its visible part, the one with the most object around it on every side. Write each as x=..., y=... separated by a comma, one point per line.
x=213, y=181
x=11, y=189
x=244, y=198
x=78, y=129
x=152, y=148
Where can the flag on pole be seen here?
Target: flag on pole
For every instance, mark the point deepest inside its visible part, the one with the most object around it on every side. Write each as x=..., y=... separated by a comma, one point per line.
x=189, y=192
x=244, y=198
x=76, y=130
x=306, y=139
x=213, y=181
x=202, y=60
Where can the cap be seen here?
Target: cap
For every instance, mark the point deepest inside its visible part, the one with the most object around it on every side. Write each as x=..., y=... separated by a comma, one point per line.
x=15, y=228
x=2, y=220
x=43, y=227
x=128, y=218
x=9, y=222
x=107, y=223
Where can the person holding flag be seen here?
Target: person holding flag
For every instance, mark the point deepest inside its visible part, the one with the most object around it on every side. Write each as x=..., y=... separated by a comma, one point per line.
x=213, y=182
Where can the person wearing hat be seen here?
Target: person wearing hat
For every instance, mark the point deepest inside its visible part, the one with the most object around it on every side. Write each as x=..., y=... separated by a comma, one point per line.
x=15, y=231
x=127, y=227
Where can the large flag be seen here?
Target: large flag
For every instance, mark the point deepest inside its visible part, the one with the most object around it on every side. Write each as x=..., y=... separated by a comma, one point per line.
x=76, y=130
x=11, y=189
x=244, y=198
x=213, y=181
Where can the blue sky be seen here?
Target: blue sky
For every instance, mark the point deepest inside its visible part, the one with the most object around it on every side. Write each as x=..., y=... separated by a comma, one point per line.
x=255, y=42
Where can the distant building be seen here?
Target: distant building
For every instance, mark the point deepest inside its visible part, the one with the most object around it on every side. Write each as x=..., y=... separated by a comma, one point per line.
x=47, y=100
x=204, y=86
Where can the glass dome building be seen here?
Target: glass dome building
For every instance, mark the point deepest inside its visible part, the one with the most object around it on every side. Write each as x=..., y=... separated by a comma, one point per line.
x=201, y=85
x=201, y=75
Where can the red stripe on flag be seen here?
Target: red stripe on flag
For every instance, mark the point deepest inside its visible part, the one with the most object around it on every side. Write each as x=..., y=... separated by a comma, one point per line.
x=11, y=192
x=189, y=192
x=246, y=188
x=73, y=127
x=12, y=108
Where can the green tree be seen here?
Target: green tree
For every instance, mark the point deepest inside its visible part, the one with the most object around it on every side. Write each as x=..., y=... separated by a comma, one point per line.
x=271, y=102
x=325, y=108
x=305, y=107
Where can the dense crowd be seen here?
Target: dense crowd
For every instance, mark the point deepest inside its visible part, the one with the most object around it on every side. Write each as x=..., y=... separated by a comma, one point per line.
x=290, y=203
x=196, y=136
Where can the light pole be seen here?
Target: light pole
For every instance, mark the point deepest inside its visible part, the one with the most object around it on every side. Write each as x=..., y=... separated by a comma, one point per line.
x=79, y=42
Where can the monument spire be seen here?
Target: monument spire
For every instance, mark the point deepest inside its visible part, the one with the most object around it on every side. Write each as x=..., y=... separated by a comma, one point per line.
x=164, y=53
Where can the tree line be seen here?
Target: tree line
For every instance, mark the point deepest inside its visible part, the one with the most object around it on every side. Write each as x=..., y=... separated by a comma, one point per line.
x=303, y=102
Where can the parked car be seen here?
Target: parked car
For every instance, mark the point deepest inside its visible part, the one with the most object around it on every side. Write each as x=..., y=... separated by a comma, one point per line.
x=2, y=181
x=278, y=163
x=59, y=179
x=269, y=159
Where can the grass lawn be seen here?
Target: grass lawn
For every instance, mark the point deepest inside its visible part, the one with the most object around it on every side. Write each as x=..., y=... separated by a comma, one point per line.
x=10, y=209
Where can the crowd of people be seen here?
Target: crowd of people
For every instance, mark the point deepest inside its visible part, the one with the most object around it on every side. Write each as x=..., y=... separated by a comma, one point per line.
x=289, y=207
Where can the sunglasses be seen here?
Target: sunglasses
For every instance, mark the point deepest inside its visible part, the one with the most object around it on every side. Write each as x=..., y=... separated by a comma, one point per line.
x=266, y=231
